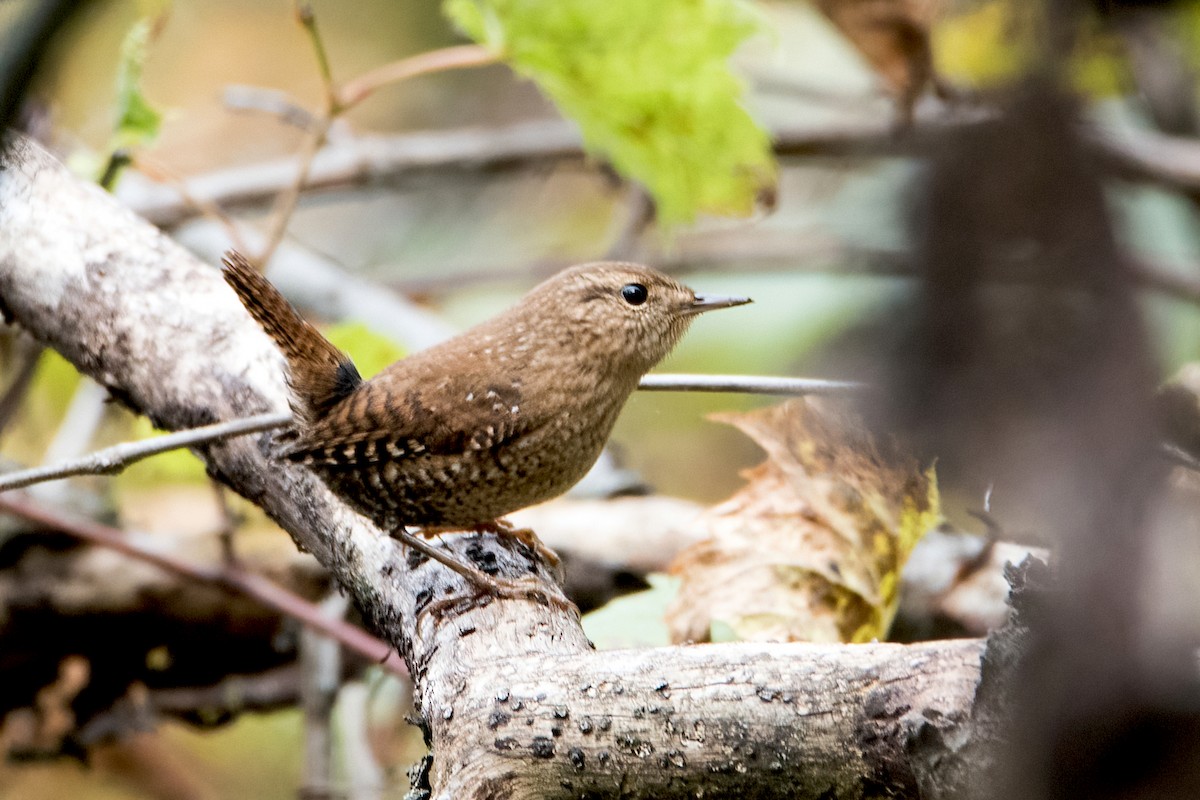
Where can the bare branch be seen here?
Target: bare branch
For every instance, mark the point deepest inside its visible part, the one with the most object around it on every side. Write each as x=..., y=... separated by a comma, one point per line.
x=746, y=384
x=28, y=355
x=112, y=460
x=230, y=576
x=272, y=102
x=447, y=58
x=516, y=702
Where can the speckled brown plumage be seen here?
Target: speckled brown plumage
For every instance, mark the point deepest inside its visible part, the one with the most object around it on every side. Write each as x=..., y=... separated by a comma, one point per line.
x=512, y=412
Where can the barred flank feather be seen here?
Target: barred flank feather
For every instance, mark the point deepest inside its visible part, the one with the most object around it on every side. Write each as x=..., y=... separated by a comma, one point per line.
x=319, y=374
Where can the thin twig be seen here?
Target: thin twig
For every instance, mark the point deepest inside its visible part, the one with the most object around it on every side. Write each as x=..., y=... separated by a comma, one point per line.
x=639, y=214
x=271, y=102
x=442, y=60
x=113, y=459
x=338, y=101
x=1178, y=456
x=308, y=21
x=29, y=354
x=229, y=576
x=229, y=522
x=747, y=384
x=285, y=204
x=207, y=207
x=321, y=672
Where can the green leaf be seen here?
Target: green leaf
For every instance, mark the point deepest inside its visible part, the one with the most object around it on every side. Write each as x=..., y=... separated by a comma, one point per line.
x=649, y=85
x=138, y=122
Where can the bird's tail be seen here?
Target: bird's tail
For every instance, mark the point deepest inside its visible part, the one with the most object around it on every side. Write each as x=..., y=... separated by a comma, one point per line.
x=319, y=374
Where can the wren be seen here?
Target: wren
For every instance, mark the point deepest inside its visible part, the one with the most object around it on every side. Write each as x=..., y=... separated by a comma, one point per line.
x=507, y=414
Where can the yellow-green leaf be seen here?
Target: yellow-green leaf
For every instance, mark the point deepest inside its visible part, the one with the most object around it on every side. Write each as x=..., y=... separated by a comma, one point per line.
x=137, y=122
x=812, y=548
x=649, y=85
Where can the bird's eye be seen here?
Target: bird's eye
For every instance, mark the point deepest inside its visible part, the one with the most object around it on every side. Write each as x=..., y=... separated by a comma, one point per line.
x=634, y=293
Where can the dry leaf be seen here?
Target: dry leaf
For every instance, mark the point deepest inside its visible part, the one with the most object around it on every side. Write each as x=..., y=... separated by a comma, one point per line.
x=893, y=36
x=811, y=549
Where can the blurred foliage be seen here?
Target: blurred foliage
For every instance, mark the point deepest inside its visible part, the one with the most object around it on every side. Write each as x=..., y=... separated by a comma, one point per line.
x=47, y=401
x=649, y=85
x=994, y=42
x=138, y=122
x=983, y=45
x=811, y=549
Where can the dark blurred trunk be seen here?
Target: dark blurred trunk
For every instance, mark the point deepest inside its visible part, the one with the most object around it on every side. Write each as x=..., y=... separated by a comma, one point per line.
x=1027, y=369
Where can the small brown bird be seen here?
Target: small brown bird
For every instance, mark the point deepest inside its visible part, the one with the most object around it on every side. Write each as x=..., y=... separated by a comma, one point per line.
x=510, y=413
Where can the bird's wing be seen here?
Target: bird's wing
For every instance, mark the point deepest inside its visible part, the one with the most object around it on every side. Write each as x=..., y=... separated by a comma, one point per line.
x=383, y=421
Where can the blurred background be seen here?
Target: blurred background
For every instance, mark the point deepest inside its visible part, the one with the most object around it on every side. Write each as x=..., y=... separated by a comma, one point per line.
x=463, y=229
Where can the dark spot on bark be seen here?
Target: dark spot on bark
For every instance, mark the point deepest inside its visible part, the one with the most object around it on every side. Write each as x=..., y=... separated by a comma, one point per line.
x=577, y=759
x=502, y=696
x=175, y=415
x=560, y=712
x=605, y=722
x=878, y=707
x=505, y=743
x=604, y=757
x=542, y=747
x=635, y=746
x=482, y=558
x=426, y=731
x=414, y=558
x=497, y=719
x=119, y=395
x=423, y=599
x=418, y=778
x=882, y=742
x=585, y=725
x=466, y=630
x=6, y=312
x=556, y=731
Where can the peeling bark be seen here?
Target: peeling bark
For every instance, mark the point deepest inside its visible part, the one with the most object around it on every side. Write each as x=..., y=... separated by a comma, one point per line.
x=516, y=702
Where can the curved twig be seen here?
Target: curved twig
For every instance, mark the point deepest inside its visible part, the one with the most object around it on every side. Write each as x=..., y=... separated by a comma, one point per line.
x=229, y=576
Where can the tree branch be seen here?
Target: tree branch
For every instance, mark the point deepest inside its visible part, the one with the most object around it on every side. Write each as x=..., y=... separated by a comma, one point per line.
x=516, y=703
x=112, y=460
x=229, y=576
x=746, y=384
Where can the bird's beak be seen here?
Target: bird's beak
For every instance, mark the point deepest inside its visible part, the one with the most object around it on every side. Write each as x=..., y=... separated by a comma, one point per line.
x=710, y=302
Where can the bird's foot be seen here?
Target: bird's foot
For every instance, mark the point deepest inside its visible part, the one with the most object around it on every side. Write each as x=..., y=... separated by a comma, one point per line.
x=530, y=588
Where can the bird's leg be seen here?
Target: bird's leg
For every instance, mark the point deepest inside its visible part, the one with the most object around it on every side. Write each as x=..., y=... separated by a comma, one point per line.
x=521, y=589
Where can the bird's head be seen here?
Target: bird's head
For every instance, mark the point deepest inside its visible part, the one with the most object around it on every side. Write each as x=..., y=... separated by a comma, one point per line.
x=625, y=314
